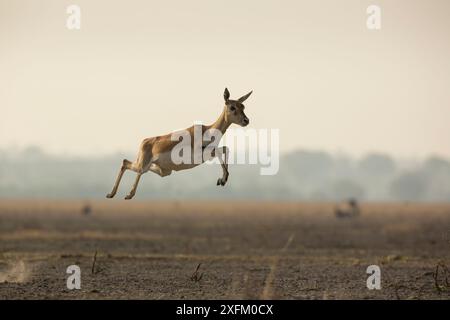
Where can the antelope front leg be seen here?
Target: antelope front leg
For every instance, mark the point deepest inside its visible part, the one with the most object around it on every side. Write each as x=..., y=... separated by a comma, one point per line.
x=133, y=191
x=224, y=164
x=125, y=165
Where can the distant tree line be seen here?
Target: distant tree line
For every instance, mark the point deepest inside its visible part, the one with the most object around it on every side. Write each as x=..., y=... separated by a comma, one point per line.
x=303, y=175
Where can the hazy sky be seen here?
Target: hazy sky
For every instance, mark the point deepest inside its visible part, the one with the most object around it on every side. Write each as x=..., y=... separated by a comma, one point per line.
x=143, y=68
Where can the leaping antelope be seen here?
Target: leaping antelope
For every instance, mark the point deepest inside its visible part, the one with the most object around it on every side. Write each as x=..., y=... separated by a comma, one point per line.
x=155, y=154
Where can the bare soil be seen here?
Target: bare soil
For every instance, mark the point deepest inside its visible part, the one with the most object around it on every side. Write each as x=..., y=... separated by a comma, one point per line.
x=150, y=250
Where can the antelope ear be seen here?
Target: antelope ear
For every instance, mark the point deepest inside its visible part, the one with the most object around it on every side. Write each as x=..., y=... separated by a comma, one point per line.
x=226, y=94
x=243, y=98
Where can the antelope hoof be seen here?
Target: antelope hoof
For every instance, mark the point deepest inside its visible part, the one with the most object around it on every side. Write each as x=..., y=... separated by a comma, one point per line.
x=221, y=182
x=130, y=196
x=110, y=195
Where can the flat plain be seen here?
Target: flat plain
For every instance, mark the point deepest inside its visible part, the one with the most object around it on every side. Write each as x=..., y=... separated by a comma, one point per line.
x=222, y=250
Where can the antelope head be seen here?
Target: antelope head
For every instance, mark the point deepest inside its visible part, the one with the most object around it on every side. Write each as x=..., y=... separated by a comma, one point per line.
x=234, y=109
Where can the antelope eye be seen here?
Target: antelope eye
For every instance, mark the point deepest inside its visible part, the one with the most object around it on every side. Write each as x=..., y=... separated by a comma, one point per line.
x=232, y=108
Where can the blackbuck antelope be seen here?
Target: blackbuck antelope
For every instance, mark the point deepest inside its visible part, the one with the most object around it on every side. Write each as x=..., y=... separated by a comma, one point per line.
x=351, y=210
x=156, y=153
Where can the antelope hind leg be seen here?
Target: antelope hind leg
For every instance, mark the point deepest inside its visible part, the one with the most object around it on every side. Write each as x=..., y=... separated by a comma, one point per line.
x=133, y=191
x=125, y=165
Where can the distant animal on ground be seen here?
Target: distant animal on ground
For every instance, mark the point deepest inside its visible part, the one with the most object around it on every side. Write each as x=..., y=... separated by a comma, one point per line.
x=86, y=209
x=155, y=154
x=350, y=210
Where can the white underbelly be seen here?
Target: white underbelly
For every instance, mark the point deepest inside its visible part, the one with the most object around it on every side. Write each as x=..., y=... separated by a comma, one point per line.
x=166, y=162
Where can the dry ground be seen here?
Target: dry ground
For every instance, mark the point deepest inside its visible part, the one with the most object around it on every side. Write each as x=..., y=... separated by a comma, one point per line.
x=149, y=250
